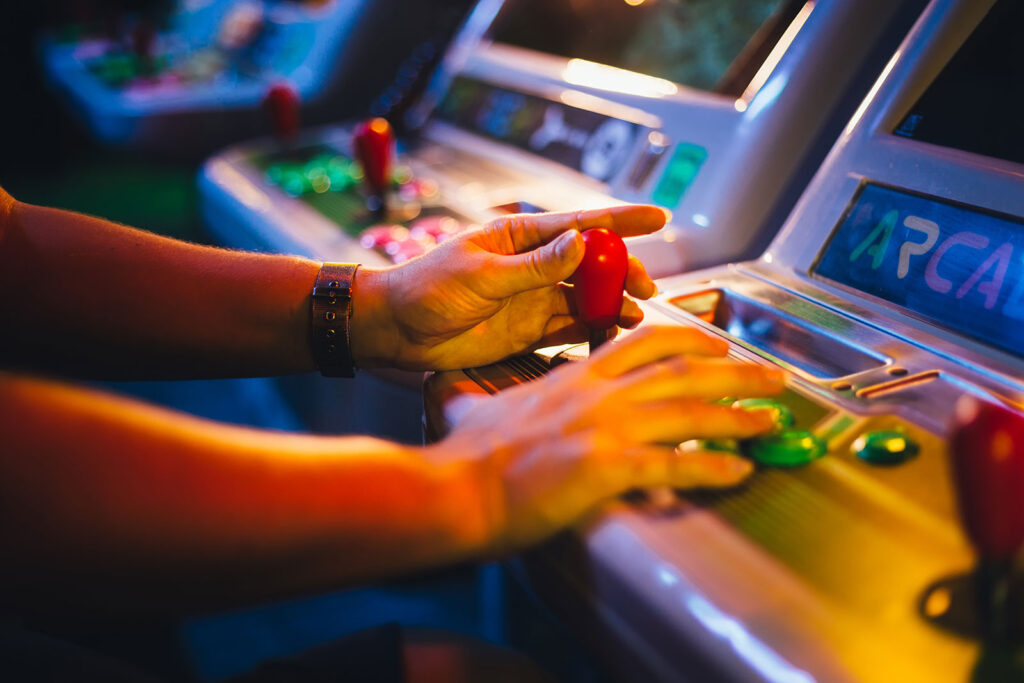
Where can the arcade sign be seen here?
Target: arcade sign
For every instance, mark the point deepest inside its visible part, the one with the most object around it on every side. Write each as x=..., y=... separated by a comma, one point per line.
x=955, y=265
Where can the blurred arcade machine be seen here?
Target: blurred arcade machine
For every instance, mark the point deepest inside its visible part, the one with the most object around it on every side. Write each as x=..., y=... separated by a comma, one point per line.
x=185, y=77
x=894, y=290
x=717, y=110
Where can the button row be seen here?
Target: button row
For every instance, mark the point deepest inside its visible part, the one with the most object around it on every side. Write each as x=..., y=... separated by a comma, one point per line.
x=789, y=447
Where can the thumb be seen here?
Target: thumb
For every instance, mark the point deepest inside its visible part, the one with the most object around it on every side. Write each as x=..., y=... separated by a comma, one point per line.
x=545, y=266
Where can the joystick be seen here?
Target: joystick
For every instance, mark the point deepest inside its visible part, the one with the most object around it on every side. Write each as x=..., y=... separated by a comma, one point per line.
x=598, y=282
x=988, y=472
x=373, y=144
x=282, y=105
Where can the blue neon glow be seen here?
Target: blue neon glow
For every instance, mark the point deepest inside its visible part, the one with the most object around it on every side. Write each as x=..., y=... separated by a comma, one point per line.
x=958, y=266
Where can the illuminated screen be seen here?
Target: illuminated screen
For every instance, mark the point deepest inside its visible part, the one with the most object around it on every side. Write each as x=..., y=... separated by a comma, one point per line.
x=586, y=141
x=692, y=42
x=975, y=104
x=955, y=265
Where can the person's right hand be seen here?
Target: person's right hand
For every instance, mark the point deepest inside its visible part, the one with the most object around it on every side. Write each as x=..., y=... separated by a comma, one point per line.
x=546, y=452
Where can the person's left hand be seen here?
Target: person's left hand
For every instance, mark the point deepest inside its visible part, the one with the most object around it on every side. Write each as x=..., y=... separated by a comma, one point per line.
x=490, y=293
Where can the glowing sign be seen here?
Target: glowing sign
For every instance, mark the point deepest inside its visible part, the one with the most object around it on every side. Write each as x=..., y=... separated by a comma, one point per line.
x=957, y=266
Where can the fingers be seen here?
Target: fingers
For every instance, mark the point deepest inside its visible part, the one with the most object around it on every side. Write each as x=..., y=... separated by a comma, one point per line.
x=630, y=315
x=704, y=469
x=676, y=420
x=665, y=466
x=651, y=344
x=561, y=301
x=528, y=231
x=696, y=377
x=638, y=282
x=542, y=267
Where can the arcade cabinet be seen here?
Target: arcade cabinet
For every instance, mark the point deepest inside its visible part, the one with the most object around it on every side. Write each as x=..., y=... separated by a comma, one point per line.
x=878, y=537
x=719, y=130
x=185, y=81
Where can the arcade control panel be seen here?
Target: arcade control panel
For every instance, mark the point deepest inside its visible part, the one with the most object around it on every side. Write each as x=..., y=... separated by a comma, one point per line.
x=399, y=220
x=879, y=537
x=505, y=127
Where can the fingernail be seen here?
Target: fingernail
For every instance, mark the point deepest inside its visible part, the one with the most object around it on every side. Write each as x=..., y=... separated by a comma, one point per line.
x=767, y=416
x=565, y=245
x=740, y=467
x=775, y=377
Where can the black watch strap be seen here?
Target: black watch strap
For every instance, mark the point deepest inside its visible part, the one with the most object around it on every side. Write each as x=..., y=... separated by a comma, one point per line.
x=331, y=336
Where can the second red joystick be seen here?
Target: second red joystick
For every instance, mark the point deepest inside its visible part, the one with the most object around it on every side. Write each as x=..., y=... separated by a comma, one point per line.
x=598, y=282
x=988, y=469
x=282, y=105
x=373, y=144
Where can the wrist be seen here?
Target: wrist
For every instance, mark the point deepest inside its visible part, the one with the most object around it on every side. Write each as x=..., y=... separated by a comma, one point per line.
x=374, y=334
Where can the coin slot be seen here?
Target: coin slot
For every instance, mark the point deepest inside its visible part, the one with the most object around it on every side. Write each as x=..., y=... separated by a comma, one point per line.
x=902, y=384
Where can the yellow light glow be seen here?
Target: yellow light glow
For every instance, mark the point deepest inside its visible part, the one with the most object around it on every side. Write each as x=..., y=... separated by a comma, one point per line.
x=634, y=3
x=938, y=602
x=610, y=78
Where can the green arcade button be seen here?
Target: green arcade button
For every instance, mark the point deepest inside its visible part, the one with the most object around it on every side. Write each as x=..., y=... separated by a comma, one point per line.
x=885, y=447
x=781, y=414
x=789, y=448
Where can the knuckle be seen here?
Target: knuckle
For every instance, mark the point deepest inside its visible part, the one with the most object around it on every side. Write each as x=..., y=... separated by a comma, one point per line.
x=536, y=265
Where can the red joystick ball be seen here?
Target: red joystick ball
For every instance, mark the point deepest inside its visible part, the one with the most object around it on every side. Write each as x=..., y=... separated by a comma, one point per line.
x=988, y=470
x=282, y=104
x=373, y=143
x=600, y=278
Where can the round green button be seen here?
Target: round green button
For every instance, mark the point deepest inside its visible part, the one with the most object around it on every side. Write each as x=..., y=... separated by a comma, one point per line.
x=885, y=447
x=781, y=414
x=789, y=448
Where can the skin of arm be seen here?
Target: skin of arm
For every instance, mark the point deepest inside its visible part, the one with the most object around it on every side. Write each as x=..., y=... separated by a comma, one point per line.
x=128, y=508
x=91, y=298
x=110, y=505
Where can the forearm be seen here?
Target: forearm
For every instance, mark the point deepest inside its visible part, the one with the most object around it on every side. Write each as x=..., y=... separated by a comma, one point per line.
x=129, y=507
x=93, y=298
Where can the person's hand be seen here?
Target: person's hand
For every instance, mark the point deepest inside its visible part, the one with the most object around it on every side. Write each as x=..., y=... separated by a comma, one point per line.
x=547, y=451
x=490, y=293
